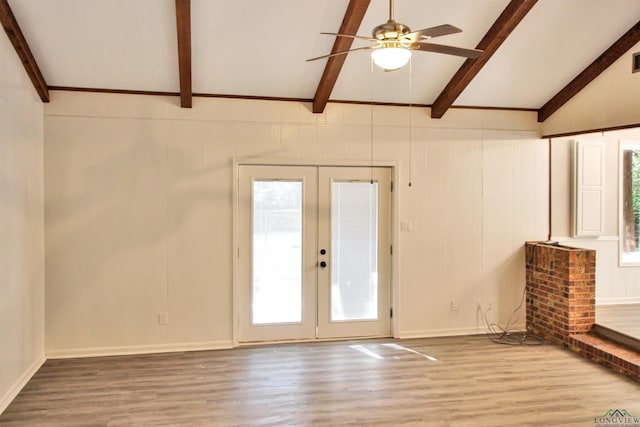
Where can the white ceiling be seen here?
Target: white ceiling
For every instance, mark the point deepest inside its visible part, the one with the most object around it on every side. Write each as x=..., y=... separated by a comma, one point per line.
x=259, y=47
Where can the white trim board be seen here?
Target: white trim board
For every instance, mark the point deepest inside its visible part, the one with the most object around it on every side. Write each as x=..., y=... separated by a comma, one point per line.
x=142, y=349
x=451, y=332
x=585, y=239
x=15, y=389
x=617, y=301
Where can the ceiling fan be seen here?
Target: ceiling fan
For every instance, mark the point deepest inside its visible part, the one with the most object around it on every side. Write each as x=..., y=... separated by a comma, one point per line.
x=394, y=42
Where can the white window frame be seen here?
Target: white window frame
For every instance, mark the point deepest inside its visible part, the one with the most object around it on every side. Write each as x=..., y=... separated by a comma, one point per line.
x=625, y=259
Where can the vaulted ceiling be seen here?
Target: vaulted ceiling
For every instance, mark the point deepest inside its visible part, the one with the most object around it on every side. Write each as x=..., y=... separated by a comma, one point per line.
x=538, y=54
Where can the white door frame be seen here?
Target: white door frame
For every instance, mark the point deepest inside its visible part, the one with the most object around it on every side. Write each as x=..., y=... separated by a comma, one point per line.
x=395, y=228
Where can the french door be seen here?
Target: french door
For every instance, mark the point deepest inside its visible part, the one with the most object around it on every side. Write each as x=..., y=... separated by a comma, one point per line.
x=314, y=252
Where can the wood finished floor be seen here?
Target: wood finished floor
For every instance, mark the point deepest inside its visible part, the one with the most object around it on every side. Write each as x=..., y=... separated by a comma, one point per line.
x=473, y=382
x=624, y=318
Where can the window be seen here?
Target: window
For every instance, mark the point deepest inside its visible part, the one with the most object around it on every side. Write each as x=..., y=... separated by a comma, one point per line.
x=629, y=203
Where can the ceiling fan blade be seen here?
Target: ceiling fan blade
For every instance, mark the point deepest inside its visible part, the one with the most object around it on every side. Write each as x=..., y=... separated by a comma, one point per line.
x=342, y=53
x=447, y=50
x=428, y=33
x=350, y=36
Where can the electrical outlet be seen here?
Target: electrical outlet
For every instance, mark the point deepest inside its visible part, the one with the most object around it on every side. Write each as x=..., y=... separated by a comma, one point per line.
x=454, y=305
x=163, y=318
x=406, y=225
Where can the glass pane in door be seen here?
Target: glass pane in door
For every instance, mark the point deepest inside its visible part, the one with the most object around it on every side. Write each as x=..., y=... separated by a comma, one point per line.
x=277, y=252
x=354, y=251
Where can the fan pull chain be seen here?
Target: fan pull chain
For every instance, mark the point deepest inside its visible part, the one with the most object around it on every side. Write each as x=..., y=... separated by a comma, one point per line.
x=371, y=121
x=410, y=121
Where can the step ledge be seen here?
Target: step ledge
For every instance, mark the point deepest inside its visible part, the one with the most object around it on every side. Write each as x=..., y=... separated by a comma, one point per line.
x=609, y=347
x=616, y=336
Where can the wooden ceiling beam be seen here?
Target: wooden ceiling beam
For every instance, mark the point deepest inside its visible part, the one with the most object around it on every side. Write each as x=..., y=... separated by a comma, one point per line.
x=508, y=20
x=183, y=25
x=604, y=61
x=350, y=24
x=18, y=41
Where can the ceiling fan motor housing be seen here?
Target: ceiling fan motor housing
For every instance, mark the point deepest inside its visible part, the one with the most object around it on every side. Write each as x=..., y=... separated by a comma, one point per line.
x=390, y=31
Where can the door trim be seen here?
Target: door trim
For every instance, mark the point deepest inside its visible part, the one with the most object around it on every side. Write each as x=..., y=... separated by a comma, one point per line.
x=395, y=228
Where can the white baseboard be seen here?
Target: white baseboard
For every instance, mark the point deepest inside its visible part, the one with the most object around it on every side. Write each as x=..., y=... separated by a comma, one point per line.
x=452, y=332
x=617, y=301
x=13, y=391
x=138, y=349
x=563, y=239
x=449, y=332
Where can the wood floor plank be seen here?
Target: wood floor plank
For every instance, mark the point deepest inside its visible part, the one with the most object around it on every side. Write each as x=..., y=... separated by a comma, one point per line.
x=624, y=318
x=457, y=381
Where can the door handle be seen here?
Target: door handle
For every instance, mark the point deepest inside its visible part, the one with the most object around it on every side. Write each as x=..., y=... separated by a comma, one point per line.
x=323, y=264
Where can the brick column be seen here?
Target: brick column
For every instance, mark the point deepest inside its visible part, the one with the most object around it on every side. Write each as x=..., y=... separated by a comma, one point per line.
x=560, y=290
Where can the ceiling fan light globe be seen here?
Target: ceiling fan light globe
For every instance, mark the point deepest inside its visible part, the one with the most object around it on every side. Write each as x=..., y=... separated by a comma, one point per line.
x=391, y=58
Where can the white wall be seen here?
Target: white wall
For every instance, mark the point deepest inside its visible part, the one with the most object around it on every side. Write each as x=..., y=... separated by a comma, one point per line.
x=139, y=211
x=612, y=99
x=614, y=284
x=21, y=226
